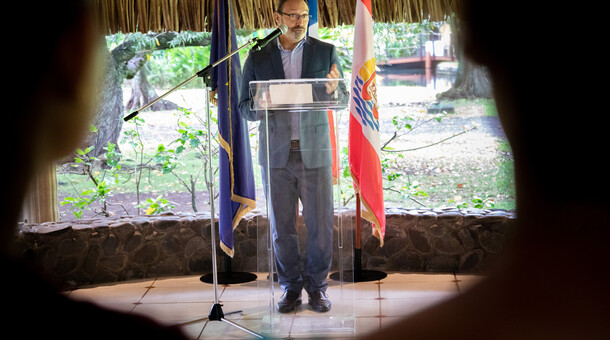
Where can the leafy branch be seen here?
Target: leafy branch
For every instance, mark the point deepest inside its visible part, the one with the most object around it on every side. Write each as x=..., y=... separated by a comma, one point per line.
x=191, y=138
x=466, y=130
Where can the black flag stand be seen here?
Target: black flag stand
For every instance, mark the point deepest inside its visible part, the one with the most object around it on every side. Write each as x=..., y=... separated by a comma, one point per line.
x=216, y=313
x=229, y=276
x=358, y=274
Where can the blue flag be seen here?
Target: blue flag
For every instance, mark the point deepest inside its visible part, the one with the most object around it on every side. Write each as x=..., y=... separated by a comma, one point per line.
x=237, y=195
x=312, y=28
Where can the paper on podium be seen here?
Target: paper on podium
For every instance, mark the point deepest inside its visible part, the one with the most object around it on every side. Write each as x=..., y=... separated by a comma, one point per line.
x=298, y=94
x=288, y=94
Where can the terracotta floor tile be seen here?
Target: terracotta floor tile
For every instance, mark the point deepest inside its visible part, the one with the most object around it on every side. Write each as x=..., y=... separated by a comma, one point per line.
x=358, y=308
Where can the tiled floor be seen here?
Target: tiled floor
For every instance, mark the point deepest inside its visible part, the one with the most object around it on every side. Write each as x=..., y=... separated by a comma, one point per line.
x=358, y=308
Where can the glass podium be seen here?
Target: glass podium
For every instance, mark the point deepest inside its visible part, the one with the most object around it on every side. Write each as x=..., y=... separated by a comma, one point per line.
x=301, y=240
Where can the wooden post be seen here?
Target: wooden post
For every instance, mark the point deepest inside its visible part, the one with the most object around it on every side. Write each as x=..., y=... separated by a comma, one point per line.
x=41, y=202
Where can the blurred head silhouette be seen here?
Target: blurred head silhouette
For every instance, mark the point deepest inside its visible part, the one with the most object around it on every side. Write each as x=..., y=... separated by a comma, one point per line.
x=551, y=281
x=547, y=96
x=52, y=96
x=51, y=104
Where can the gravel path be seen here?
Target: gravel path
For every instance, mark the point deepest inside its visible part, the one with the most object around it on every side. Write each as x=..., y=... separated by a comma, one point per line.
x=477, y=145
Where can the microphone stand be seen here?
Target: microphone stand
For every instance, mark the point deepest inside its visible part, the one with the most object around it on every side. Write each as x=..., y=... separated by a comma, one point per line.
x=216, y=313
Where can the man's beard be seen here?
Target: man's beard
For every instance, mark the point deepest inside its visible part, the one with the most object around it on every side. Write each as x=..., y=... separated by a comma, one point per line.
x=296, y=34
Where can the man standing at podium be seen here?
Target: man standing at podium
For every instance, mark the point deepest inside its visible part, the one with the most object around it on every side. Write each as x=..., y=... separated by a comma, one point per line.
x=300, y=157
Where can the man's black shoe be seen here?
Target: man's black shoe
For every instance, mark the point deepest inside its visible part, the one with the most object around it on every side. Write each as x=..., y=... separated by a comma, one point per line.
x=319, y=301
x=289, y=301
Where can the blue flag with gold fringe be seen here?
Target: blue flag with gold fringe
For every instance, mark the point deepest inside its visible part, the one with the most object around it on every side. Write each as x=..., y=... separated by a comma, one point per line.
x=237, y=190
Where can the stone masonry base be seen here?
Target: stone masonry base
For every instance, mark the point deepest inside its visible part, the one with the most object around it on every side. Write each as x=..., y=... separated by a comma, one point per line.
x=133, y=247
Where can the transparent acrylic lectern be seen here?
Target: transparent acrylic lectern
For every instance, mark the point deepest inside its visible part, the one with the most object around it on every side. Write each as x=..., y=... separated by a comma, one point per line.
x=300, y=130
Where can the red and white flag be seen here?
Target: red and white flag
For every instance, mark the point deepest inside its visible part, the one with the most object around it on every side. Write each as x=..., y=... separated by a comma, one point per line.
x=364, y=146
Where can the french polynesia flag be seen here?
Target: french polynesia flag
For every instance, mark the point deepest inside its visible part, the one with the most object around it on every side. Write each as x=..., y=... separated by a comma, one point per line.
x=364, y=147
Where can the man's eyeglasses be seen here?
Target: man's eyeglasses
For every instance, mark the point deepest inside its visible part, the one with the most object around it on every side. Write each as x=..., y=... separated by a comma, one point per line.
x=295, y=17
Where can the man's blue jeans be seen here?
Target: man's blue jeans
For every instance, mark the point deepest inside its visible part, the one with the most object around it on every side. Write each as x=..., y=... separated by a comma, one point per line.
x=314, y=188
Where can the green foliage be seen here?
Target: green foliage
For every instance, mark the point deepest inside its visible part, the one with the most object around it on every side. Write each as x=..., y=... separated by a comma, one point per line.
x=100, y=183
x=133, y=138
x=343, y=38
x=79, y=203
x=171, y=66
x=391, y=39
x=167, y=158
x=120, y=171
x=193, y=139
x=156, y=206
x=400, y=39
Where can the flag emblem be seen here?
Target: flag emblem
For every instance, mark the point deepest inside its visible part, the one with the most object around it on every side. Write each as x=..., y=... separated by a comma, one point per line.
x=365, y=95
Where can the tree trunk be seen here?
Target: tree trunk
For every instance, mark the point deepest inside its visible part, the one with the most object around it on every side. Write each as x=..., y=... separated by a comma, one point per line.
x=474, y=83
x=193, y=192
x=142, y=92
x=472, y=80
x=109, y=118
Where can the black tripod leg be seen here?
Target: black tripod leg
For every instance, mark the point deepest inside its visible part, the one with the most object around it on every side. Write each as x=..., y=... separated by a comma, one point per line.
x=216, y=313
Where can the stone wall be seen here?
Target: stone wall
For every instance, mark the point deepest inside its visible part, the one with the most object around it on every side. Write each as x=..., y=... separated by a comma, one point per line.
x=132, y=247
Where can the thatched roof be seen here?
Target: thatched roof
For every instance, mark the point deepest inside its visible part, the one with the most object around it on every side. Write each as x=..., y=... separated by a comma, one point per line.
x=130, y=16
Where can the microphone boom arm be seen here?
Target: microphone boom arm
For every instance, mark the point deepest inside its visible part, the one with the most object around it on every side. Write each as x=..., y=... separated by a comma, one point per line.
x=204, y=73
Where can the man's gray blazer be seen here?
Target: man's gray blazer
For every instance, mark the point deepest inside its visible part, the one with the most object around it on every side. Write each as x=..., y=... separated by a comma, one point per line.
x=266, y=64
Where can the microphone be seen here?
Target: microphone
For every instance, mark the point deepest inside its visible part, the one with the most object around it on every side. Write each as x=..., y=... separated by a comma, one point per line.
x=260, y=43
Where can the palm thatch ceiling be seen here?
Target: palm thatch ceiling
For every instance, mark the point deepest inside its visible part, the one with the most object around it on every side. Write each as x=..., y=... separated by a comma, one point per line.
x=128, y=16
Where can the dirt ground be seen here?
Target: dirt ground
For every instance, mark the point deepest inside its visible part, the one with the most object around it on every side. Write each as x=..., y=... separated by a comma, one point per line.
x=479, y=146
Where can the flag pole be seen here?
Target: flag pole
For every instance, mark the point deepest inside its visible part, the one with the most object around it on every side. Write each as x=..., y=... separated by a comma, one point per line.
x=229, y=276
x=358, y=242
x=361, y=275
x=358, y=274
